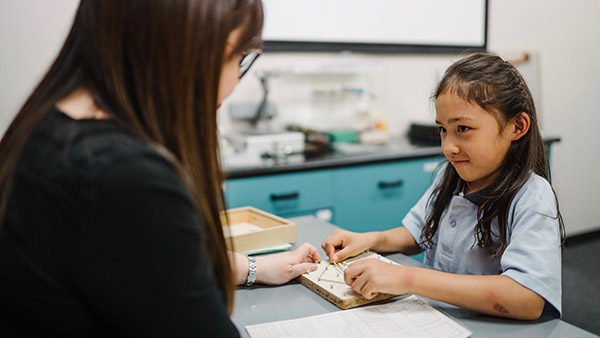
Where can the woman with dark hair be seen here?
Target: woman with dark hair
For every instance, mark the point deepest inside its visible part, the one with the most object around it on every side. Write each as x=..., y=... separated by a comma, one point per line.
x=110, y=184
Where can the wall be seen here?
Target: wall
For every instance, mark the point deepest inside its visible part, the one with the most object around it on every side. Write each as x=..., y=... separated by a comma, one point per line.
x=563, y=36
x=31, y=34
x=566, y=35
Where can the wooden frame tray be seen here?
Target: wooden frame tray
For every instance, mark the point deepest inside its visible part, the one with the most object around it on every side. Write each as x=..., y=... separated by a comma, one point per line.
x=328, y=282
x=252, y=229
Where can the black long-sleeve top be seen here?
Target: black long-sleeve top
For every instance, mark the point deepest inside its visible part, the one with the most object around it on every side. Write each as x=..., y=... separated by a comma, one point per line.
x=101, y=239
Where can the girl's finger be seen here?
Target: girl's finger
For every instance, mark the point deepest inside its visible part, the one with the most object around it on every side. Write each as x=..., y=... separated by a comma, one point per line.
x=350, y=274
x=367, y=290
x=330, y=243
x=358, y=283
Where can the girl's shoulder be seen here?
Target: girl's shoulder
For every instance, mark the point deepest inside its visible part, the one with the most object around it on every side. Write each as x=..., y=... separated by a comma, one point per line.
x=536, y=194
x=536, y=184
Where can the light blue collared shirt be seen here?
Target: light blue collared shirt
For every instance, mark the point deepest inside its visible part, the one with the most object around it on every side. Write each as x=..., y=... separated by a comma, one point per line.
x=533, y=254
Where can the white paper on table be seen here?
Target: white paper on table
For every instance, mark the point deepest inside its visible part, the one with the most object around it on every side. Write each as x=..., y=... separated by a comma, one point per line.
x=408, y=317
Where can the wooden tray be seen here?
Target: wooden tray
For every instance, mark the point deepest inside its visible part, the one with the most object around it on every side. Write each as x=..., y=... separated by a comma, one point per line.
x=253, y=229
x=328, y=282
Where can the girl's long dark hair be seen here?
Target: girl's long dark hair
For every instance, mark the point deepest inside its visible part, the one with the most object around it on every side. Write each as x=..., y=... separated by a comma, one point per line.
x=154, y=67
x=496, y=86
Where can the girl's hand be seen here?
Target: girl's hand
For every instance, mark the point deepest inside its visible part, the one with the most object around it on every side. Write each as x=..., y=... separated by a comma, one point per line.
x=342, y=244
x=282, y=267
x=371, y=276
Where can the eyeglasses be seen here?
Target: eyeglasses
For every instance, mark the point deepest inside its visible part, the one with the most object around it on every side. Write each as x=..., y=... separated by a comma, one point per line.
x=248, y=60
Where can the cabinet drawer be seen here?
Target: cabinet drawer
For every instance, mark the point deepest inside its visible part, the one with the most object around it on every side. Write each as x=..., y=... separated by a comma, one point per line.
x=281, y=194
x=377, y=197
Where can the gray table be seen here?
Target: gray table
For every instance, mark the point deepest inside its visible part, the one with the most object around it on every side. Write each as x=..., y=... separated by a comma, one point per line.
x=260, y=304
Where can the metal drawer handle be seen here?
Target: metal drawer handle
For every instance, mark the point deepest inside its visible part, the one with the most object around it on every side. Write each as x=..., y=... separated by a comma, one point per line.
x=392, y=184
x=290, y=196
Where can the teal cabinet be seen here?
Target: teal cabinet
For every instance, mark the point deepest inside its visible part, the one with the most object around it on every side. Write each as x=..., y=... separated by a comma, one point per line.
x=286, y=195
x=377, y=197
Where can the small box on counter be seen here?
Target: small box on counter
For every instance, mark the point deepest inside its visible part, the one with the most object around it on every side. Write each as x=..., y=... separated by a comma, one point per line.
x=251, y=229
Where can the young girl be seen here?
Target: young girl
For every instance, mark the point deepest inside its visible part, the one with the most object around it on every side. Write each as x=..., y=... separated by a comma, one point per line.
x=489, y=224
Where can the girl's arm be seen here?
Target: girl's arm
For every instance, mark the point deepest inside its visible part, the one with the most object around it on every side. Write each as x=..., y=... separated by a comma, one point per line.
x=342, y=244
x=495, y=295
x=396, y=240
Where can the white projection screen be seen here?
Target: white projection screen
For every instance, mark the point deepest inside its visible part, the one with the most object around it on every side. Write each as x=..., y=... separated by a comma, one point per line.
x=375, y=25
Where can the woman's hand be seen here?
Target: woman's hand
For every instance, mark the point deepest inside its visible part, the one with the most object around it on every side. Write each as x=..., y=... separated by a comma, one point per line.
x=371, y=276
x=282, y=267
x=342, y=244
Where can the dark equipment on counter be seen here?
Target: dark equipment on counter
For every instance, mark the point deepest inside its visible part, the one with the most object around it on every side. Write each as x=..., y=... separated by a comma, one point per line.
x=424, y=135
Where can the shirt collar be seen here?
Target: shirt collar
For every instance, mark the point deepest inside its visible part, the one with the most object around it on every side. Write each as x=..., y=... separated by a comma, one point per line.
x=476, y=197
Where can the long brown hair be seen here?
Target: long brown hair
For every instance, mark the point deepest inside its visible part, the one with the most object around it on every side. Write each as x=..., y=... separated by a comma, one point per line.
x=154, y=67
x=496, y=86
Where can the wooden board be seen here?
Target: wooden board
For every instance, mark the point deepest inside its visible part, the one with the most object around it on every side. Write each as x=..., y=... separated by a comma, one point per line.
x=253, y=229
x=328, y=282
